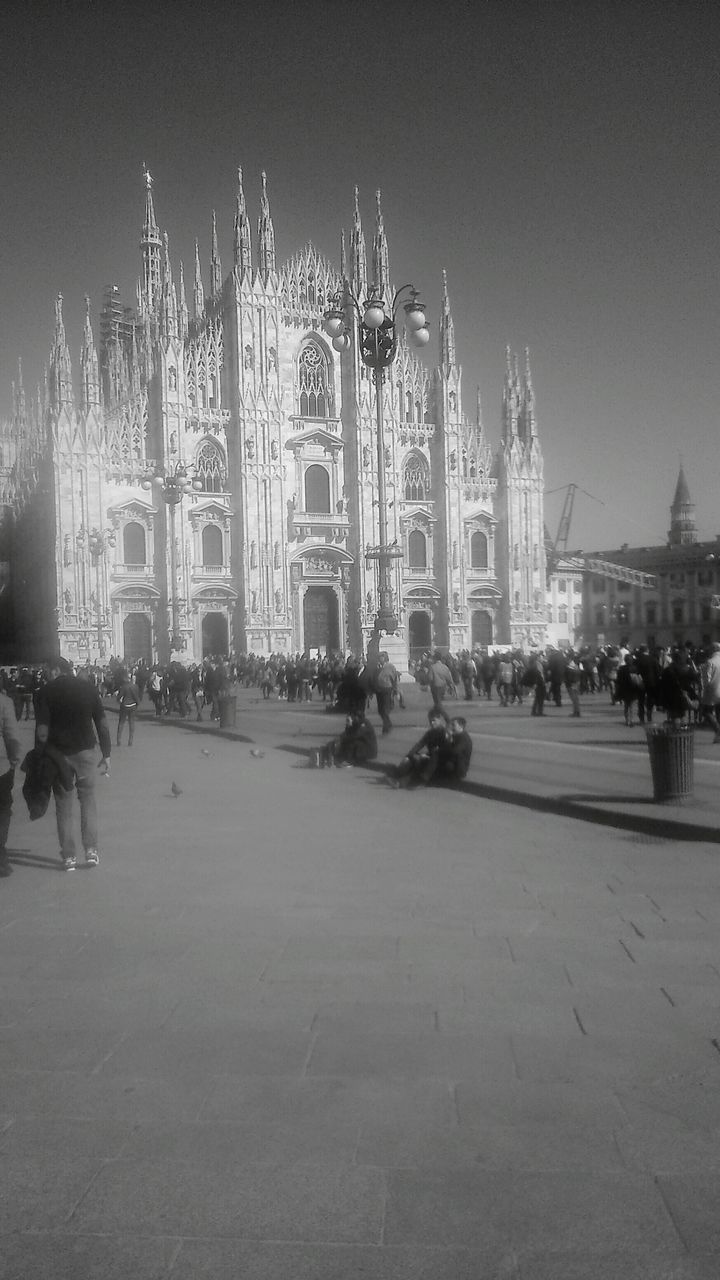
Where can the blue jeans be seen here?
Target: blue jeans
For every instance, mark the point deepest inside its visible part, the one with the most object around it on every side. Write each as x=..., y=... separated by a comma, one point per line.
x=84, y=766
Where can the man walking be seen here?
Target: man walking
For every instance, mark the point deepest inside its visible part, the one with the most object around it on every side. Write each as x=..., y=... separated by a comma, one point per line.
x=9, y=731
x=69, y=714
x=386, y=678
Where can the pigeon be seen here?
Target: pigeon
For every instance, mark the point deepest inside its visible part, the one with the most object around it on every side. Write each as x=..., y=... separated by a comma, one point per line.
x=257, y=753
x=204, y=752
x=176, y=790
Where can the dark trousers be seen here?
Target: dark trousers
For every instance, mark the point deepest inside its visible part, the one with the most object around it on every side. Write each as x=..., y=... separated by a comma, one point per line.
x=6, y=799
x=384, y=705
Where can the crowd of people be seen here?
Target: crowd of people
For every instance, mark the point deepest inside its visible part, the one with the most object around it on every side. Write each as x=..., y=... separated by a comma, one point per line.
x=683, y=683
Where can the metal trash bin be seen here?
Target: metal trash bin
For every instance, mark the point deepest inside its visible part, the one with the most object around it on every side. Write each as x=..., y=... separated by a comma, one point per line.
x=671, y=748
x=228, y=711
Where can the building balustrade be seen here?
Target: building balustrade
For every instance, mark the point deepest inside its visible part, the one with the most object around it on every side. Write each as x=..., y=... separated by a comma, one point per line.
x=307, y=424
x=211, y=571
x=131, y=571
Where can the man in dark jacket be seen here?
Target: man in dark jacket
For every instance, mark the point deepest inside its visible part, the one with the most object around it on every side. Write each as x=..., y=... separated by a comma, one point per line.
x=69, y=715
x=9, y=731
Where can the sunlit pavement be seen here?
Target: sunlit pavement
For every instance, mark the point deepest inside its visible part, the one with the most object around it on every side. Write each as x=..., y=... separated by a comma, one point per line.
x=297, y=1024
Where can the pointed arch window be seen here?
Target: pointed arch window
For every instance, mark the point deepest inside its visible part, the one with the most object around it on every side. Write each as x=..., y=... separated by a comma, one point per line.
x=212, y=546
x=317, y=489
x=134, y=543
x=416, y=478
x=211, y=468
x=479, y=551
x=417, y=550
x=314, y=390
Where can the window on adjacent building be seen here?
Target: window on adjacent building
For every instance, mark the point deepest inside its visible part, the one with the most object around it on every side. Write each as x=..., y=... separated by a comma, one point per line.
x=478, y=551
x=133, y=543
x=417, y=550
x=315, y=397
x=317, y=489
x=598, y=586
x=678, y=613
x=651, y=615
x=562, y=614
x=577, y=587
x=562, y=586
x=600, y=616
x=212, y=546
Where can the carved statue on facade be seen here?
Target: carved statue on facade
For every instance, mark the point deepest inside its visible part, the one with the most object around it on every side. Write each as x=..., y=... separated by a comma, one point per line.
x=278, y=601
x=67, y=600
x=250, y=447
x=274, y=450
x=366, y=456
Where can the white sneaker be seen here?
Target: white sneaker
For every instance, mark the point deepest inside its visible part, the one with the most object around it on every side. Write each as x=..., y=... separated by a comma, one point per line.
x=91, y=858
x=70, y=864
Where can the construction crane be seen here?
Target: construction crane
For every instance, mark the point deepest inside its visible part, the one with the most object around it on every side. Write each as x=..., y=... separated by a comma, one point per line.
x=557, y=550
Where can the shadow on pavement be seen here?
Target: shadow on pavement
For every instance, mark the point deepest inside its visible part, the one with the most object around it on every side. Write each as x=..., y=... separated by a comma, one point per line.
x=586, y=808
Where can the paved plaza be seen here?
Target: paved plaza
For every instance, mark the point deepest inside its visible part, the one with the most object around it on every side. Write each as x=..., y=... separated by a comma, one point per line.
x=299, y=1026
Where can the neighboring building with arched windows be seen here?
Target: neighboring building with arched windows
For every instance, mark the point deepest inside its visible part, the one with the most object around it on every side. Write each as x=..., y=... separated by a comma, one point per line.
x=231, y=375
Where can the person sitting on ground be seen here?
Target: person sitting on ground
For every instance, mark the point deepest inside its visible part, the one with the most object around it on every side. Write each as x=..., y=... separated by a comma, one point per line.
x=420, y=764
x=454, y=755
x=356, y=745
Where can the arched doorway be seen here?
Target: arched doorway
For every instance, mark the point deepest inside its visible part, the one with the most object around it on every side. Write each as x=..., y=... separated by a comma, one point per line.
x=419, y=633
x=214, y=635
x=482, y=628
x=137, y=639
x=321, y=623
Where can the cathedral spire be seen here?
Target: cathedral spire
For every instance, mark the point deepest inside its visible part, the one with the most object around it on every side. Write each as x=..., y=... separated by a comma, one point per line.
x=19, y=404
x=215, y=265
x=89, y=371
x=182, y=308
x=198, y=292
x=683, y=529
x=510, y=405
x=381, y=270
x=358, y=254
x=150, y=246
x=242, y=245
x=266, y=234
x=343, y=256
x=529, y=419
x=169, y=300
x=61, y=390
x=478, y=411
x=447, y=331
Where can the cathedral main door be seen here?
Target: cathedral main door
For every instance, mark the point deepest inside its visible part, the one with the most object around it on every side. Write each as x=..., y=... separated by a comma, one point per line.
x=137, y=641
x=419, y=633
x=321, y=624
x=214, y=635
x=481, y=628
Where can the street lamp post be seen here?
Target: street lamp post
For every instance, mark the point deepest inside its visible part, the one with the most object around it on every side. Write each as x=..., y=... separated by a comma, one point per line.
x=377, y=335
x=173, y=486
x=97, y=542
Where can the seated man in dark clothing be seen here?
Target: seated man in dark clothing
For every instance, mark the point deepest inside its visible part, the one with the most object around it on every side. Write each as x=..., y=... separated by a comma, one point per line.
x=356, y=745
x=455, y=753
x=420, y=764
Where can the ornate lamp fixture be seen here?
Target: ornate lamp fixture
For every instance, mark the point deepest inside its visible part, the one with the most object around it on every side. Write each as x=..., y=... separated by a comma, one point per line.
x=376, y=324
x=173, y=486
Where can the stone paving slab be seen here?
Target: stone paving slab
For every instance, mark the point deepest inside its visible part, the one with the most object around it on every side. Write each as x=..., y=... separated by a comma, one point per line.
x=326, y=1034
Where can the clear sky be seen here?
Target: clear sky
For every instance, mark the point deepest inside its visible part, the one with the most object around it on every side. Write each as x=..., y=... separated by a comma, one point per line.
x=560, y=160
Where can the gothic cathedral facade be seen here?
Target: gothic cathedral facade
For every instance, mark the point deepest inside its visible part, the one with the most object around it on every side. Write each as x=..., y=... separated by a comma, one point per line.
x=267, y=551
